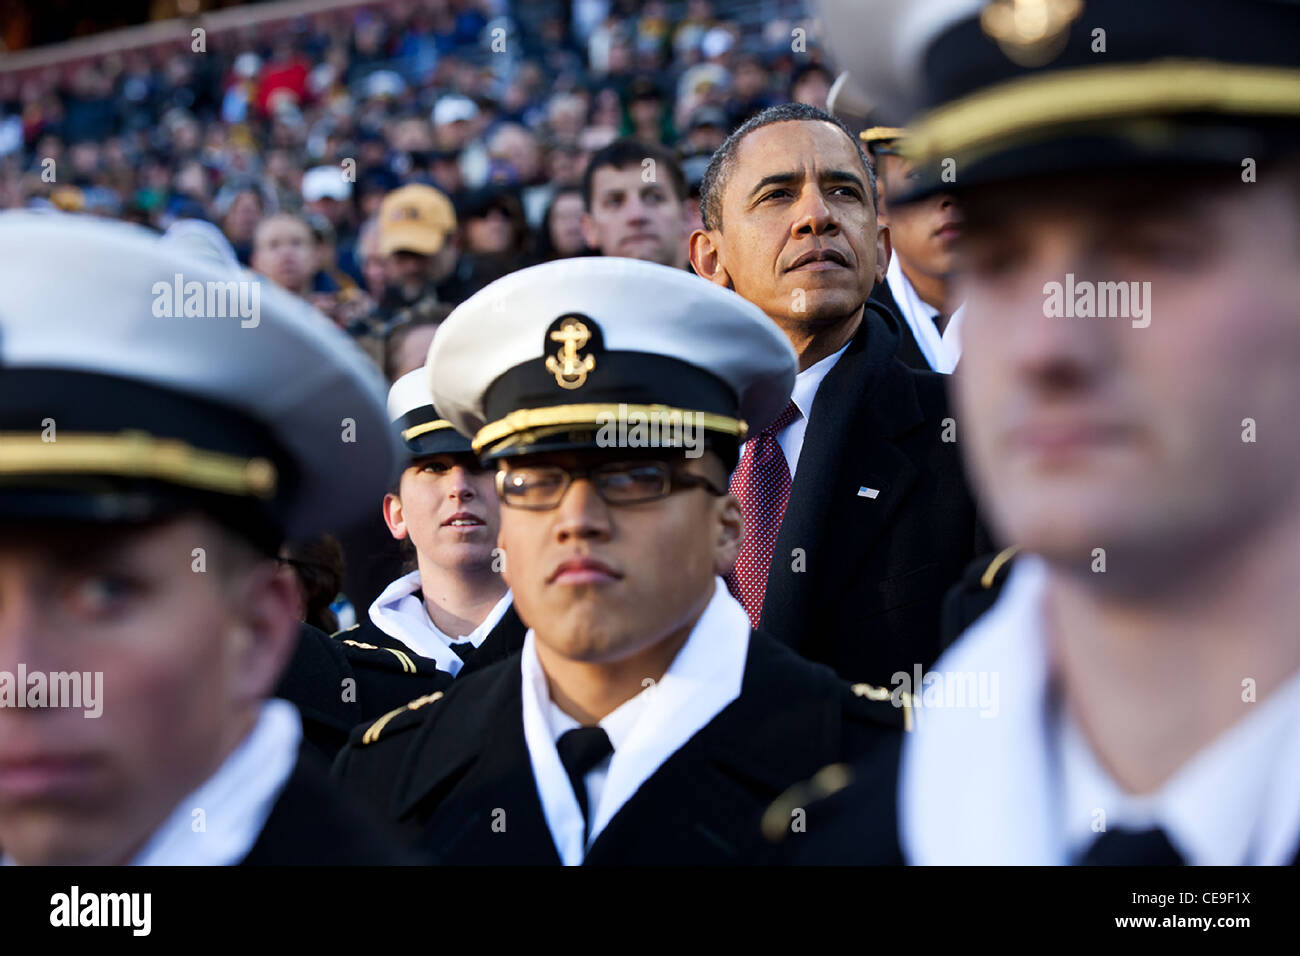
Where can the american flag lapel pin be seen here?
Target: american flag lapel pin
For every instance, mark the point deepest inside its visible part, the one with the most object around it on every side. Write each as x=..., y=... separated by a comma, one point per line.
x=865, y=492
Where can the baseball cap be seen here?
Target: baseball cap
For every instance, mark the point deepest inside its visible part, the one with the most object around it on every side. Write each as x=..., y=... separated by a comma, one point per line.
x=452, y=109
x=325, y=182
x=415, y=218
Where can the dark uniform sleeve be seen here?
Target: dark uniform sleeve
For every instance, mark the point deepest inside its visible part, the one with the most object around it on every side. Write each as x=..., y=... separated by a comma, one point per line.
x=846, y=814
x=367, y=766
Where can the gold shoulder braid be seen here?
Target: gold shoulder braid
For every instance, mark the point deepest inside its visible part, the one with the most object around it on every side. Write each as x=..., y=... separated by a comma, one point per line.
x=872, y=692
x=373, y=731
x=408, y=665
x=827, y=781
x=999, y=560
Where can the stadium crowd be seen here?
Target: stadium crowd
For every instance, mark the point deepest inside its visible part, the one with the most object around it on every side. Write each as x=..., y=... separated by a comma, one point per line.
x=290, y=142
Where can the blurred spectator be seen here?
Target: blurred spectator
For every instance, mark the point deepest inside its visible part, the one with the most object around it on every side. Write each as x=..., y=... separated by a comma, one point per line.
x=417, y=238
x=284, y=251
x=635, y=194
x=327, y=192
x=560, y=235
x=416, y=243
x=239, y=208
x=811, y=84
x=493, y=238
x=647, y=117
x=406, y=345
x=369, y=260
x=333, y=291
x=453, y=120
x=706, y=131
x=749, y=90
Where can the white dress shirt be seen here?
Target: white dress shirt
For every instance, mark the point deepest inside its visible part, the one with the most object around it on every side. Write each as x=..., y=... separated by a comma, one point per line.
x=703, y=678
x=941, y=350
x=806, y=384
x=399, y=612
x=1023, y=788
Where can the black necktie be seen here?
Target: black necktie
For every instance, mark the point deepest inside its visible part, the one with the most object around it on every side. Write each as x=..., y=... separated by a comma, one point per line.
x=464, y=651
x=580, y=750
x=1132, y=848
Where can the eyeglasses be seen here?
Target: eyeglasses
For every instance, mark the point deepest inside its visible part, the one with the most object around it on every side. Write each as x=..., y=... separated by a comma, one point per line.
x=542, y=487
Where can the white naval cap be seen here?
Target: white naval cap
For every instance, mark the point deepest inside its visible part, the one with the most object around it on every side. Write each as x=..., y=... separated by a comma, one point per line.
x=159, y=376
x=422, y=429
x=538, y=359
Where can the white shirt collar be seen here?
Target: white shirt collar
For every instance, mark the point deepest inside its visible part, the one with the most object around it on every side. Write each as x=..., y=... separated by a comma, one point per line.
x=809, y=380
x=703, y=678
x=1023, y=789
x=235, y=801
x=1252, y=769
x=399, y=612
x=806, y=384
x=941, y=351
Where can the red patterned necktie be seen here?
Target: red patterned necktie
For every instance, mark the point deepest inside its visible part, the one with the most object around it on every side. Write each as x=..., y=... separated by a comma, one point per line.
x=762, y=483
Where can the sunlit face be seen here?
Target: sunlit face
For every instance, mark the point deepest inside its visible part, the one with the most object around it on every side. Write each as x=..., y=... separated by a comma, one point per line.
x=1089, y=433
x=602, y=583
x=922, y=233
x=447, y=506
x=635, y=218
x=185, y=654
x=798, y=235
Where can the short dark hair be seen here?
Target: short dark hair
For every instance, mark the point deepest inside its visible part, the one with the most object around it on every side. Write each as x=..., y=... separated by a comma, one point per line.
x=623, y=153
x=715, y=177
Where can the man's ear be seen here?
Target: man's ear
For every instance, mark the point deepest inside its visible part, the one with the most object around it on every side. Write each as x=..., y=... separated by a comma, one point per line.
x=268, y=621
x=706, y=257
x=731, y=534
x=882, y=204
x=884, y=249
x=589, y=234
x=393, y=516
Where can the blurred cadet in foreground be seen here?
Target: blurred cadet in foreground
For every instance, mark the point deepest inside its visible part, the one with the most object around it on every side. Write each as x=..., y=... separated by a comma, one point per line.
x=1130, y=263
x=152, y=461
x=641, y=723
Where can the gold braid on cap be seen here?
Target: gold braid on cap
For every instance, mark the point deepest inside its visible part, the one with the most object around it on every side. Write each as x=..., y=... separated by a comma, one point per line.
x=1018, y=109
x=558, y=417
x=415, y=431
x=136, y=454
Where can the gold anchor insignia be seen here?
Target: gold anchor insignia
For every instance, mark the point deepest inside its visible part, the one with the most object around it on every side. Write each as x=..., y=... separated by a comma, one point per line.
x=569, y=368
x=1030, y=32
